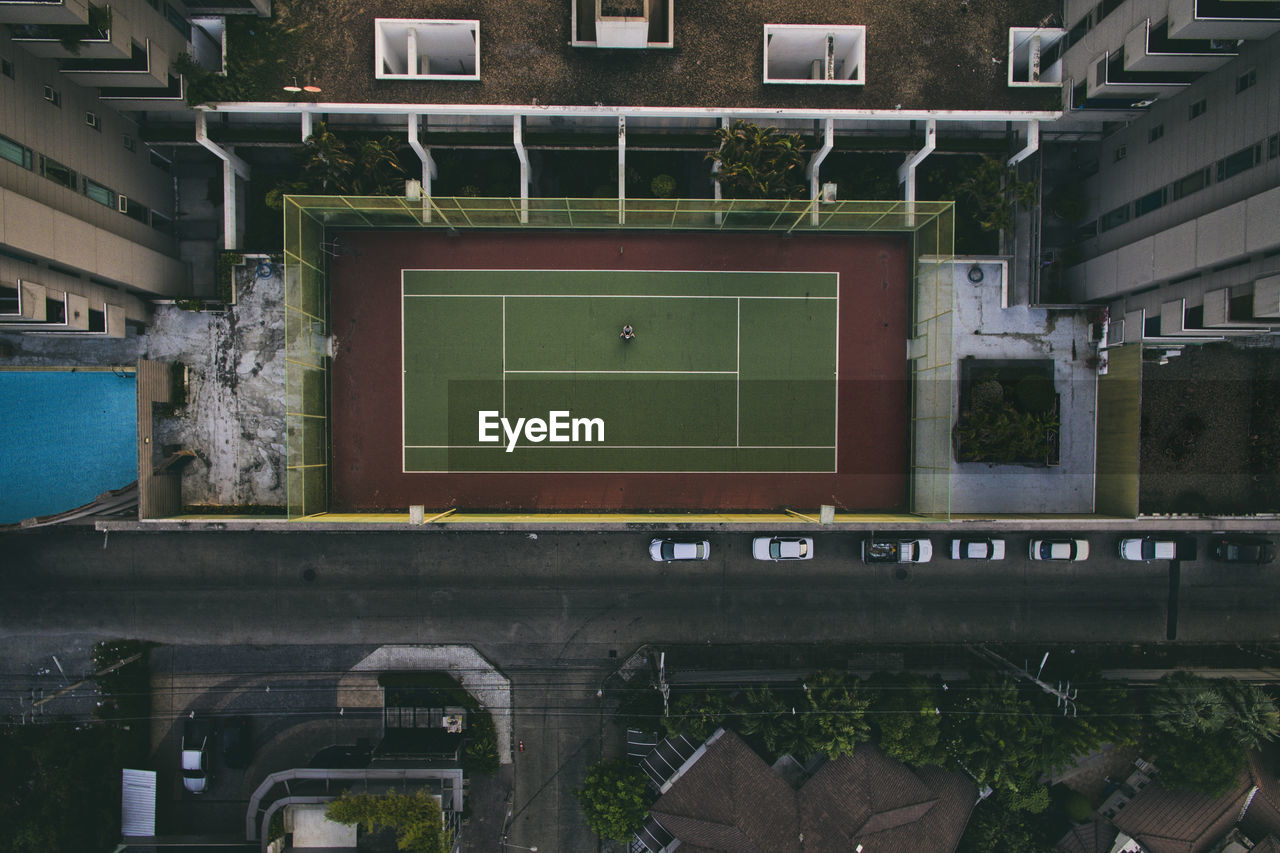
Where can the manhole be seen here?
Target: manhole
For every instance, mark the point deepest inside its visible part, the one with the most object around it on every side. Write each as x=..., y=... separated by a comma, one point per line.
x=309, y=575
x=902, y=574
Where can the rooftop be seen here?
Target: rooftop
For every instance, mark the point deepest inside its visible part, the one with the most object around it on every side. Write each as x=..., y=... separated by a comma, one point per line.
x=920, y=54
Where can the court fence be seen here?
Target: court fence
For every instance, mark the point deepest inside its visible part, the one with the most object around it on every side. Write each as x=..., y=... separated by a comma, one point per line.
x=308, y=244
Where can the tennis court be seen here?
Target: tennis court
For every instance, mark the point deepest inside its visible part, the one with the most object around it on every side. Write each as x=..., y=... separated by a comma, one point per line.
x=728, y=371
x=727, y=398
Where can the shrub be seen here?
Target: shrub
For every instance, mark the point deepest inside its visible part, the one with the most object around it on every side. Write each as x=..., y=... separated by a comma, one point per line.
x=615, y=798
x=415, y=818
x=759, y=162
x=663, y=186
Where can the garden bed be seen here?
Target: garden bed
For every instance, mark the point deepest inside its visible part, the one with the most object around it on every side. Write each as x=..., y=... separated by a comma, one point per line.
x=1009, y=413
x=1209, y=439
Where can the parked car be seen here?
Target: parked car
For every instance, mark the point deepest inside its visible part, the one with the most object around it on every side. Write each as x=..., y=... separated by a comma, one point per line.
x=1148, y=548
x=897, y=550
x=237, y=746
x=782, y=548
x=977, y=549
x=1059, y=549
x=1244, y=549
x=670, y=550
x=195, y=764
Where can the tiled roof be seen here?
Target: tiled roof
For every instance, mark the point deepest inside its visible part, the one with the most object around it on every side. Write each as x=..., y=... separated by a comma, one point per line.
x=1167, y=821
x=731, y=801
x=1263, y=816
x=1096, y=836
x=1270, y=844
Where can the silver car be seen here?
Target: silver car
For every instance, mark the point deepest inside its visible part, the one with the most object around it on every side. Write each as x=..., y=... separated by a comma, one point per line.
x=672, y=551
x=782, y=548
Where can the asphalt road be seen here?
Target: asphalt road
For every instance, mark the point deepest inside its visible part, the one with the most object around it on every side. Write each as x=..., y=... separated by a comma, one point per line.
x=534, y=599
x=550, y=609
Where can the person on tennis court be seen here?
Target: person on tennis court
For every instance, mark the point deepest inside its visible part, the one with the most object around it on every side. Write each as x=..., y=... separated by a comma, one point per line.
x=627, y=332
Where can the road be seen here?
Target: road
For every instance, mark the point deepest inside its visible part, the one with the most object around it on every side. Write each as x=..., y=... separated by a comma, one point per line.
x=558, y=611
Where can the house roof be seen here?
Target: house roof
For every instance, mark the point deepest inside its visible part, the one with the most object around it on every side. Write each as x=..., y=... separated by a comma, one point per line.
x=731, y=801
x=1270, y=844
x=1096, y=836
x=1166, y=821
x=920, y=54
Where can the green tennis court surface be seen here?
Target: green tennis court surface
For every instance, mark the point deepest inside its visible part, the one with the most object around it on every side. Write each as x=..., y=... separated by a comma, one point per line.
x=728, y=371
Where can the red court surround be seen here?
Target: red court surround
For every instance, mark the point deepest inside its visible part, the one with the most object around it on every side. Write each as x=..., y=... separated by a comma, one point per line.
x=366, y=374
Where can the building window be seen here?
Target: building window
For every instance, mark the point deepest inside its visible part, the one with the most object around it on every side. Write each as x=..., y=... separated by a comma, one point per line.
x=53, y=96
x=58, y=173
x=15, y=152
x=159, y=162
x=1246, y=80
x=1193, y=183
x=1155, y=133
x=1114, y=218
x=92, y=119
x=1198, y=108
x=6, y=68
x=1121, y=152
x=179, y=23
x=99, y=193
x=133, y=210
x=162, y=223
x=1241, y=161
x=128, y=142
x=1273, y=147
x=1150, y=202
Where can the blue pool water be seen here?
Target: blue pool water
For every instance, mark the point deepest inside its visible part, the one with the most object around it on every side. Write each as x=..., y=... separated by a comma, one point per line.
x=66, y=438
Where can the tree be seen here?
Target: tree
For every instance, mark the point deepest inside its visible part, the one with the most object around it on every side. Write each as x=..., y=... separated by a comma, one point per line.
x=904, y=715
x=415, y=818
x=995, y=734
x=334, y=165
x=998, y=824
x=1201, y=728
x=993, y=189
x=615, y=799
x=833, y=720
x=759, y=162
x=759, y=715
x=697, y=715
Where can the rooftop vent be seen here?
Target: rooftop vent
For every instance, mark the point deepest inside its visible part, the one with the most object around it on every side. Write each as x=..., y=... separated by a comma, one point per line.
x=1035, y=56
x=808, y=54
x=426, y=49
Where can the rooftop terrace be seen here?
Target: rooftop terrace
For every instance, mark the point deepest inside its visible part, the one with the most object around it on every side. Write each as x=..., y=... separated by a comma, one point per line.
x=920, y=54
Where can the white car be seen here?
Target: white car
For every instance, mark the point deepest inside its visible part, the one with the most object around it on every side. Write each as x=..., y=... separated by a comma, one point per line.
x=195, y=777
x=1148, y=548
x=977, y=549
x=782, y=548
x=670, y=551
x=1067, y=550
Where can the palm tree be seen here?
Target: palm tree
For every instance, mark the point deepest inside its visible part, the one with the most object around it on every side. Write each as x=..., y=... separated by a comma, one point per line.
x=1251, y=715
x=759, y=162
x=1186, y=704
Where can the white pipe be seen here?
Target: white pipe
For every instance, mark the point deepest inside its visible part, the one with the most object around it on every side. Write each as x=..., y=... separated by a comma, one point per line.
x=907, y=171
x=518, y=138
x=411, y=65
x=715, y=178
x=506, y=110
x=231, y=167
x=1033, y=143
x=428, y=166
x=622, y=170
x=307, y=129
x=815, y=162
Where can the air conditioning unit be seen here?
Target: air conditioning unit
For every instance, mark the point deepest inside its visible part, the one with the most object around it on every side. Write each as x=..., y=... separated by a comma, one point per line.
x=122, y=203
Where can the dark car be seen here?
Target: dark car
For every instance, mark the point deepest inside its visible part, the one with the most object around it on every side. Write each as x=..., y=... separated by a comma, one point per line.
x=1244, y=549
x=237, y=747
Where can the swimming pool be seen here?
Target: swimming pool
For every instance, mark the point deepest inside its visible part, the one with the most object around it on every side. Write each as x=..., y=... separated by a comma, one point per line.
x=68, y=437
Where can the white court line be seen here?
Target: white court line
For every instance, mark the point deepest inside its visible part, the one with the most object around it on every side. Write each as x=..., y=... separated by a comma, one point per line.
x=598, y=296
x=404, y=403
x=499, y=446
x=504, y=356
x=737, y=391
x=835, y=461
x=634, y=372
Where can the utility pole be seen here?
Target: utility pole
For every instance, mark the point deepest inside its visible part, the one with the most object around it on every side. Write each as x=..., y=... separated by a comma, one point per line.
x=1064, y=694
x=663, y=687
x=64, y=691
